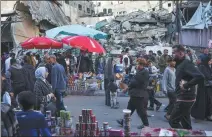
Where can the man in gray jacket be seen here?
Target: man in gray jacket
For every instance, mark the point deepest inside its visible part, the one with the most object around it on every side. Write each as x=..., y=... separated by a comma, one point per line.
x=169, y=85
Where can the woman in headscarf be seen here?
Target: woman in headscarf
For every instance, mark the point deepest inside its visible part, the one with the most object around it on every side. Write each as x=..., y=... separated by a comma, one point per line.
x=203, y=106
x=42, y=89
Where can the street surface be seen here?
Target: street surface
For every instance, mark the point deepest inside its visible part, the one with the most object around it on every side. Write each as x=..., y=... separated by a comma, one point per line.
x=105, y=114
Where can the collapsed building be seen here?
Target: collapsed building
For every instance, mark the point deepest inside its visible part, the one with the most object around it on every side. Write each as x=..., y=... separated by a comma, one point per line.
x=140, y=29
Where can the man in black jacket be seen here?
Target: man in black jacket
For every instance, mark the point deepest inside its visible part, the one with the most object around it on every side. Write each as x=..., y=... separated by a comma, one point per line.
x=138, y=93
x=187, y=76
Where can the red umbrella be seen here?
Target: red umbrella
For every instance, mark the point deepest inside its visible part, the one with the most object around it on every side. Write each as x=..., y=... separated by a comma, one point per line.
x=41, y=43
x=84, y=43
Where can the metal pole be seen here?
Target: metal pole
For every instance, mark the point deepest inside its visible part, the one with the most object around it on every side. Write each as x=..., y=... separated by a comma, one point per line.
x=177, y=21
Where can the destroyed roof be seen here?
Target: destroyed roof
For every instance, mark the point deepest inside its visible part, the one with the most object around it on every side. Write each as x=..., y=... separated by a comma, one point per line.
x=46, y=11
x=146, y=17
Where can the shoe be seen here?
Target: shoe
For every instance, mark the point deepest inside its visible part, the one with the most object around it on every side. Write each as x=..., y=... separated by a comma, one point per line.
x=150, y=108
x=158, y=107
x=141, y=127
x=120, y=122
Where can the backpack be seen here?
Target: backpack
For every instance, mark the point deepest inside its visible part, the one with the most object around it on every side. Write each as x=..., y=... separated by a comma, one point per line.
x=9, y=123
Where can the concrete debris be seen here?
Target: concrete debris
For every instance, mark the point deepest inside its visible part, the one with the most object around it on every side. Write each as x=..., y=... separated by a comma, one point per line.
x=138, y=29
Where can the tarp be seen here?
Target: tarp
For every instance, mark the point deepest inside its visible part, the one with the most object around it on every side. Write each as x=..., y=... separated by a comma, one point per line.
x=76, y=29
x=196, y=38
x=101, y=24
x=201, y=18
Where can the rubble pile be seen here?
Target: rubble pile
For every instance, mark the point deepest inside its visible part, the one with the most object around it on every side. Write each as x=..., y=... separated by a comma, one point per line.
x=137, y=29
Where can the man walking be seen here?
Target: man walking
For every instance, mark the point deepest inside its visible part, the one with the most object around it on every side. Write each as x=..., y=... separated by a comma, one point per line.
x=58, y=81
x=187, y=76
x=138, y=93
x=169, y=85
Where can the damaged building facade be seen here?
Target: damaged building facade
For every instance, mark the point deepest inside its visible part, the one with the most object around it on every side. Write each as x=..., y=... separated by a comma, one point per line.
x=26, y=19
x=139, y=29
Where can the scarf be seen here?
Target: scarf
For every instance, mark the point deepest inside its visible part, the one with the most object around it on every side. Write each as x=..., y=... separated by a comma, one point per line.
x=40, y=73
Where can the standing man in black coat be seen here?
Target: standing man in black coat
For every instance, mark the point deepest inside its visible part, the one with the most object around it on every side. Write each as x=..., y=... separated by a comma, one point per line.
x=187, y=76
x=108, y=73
x=138, y=93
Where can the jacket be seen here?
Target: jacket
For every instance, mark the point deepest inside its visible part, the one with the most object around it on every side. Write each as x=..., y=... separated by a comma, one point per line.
x=169, y=78
x=58, y=77
x=112, y=87
x=163, y=62
x=17, y=77
x=109, y=69
x=42, y=90
x=84, y=64
x=100, y=65
x=30, y=76
x=138, y=84
x=188, y=72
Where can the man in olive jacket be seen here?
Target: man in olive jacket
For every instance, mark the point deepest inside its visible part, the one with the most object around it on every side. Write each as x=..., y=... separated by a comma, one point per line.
x=163, y=61
x=138, y=93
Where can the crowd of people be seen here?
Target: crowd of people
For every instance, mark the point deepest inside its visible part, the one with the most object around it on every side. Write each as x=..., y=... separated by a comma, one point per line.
x=182, y=73
x=39, y=84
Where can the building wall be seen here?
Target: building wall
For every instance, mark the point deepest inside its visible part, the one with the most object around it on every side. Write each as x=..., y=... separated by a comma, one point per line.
x=125, y=7
x=7, y=6
x=76, y=9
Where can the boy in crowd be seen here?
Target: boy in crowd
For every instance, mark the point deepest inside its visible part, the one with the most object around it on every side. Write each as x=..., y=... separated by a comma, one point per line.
x=112, y=87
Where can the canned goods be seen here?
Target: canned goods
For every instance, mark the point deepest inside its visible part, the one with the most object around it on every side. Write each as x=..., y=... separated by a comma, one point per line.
x=67, y=131
x=88, y=126
x=48, y=121
x=53, y=120
x=93, y=126
x=88, y=133
x=62, y=122
x=80, y=118
x=67, y=123
x=83, y=112
x=67, y=115
x=77, y=126
x=62, y=131
x=105, y=125
x=48, y=114
x=97, y=124
x=77, y=133
x=57, y=131
x=89, y=112
x=82, y=133
x=52, y=129
x=106, y=133
x=93, y=118
x=93, y=133
x=83, y=126
x=62, y=114
x=58, y=121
